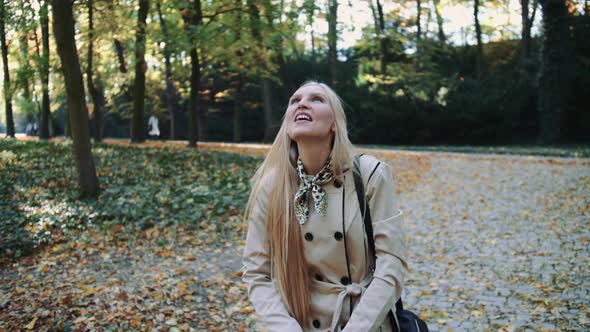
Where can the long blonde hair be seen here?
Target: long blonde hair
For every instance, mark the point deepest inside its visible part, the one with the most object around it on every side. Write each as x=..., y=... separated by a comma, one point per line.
x=289, y=267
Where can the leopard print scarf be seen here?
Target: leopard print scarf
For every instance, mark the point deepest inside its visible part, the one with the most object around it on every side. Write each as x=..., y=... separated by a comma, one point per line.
x=314, y=183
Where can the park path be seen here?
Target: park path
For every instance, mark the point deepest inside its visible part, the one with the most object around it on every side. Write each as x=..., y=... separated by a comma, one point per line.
x=495, y=243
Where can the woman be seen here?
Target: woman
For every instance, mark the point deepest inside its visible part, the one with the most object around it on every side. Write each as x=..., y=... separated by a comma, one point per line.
x=306, y=260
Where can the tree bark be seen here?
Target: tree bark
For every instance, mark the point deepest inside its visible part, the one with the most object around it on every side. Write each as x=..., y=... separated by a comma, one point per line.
x=7, y=90
x=94, y=91
x=137, y=123
x=44, y=72
x=556, y=72
x=440, y=22
x=171, y=95
x=277, y=46
x=332, y=39
x=63, y=30
x=479, y=58
x=238, y=83
x=24, y=49
x=381, y=38
x=310, y=10
x=527, y=23
x=194, y=18
x=265, y=82
x=119, y=49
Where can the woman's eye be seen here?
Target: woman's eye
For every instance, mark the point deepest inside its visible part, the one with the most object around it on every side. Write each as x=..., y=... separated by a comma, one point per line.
x=294, y=100
x=318, y=99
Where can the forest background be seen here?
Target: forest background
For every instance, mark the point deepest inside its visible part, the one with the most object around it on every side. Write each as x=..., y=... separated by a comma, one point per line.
x=223, y=70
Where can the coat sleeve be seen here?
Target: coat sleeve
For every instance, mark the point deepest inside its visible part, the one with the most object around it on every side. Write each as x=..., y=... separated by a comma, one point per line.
x=391, y=266
x=256, y=260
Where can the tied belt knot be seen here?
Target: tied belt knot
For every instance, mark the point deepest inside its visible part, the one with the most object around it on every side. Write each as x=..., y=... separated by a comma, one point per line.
x=350, y=290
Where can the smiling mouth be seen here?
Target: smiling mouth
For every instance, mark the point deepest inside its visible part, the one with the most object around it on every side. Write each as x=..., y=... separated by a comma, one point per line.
x=302, y=118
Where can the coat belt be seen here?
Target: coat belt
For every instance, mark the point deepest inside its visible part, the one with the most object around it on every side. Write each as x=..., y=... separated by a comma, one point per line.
x=351, y=290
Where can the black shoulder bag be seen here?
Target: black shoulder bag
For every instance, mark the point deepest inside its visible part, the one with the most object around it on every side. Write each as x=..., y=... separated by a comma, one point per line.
x=406, y=320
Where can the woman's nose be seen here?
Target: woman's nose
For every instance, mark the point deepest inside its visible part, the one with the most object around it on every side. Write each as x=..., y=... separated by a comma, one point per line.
x=303, y=103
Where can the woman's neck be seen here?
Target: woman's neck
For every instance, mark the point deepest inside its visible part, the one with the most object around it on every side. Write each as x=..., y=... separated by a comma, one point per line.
x=314, y=156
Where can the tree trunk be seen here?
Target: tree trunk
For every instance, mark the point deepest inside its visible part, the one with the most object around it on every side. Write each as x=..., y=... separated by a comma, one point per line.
x=440, y=22
x=265, y=82
x=418, y=23
x=63, y=30
x=119, y=49
x=44, y=72
x=97, y=100
x=99, y=109
x=269, y=129
x=332, y=39
x=24, y=49
x=310, y=7
x=479, y=58
x=194, y=20
x=556, y=73
x=238, y=84
x=277, y=46
x=171, y=95
x=194, y=97
x=382, y=38
x=527, y=23
x=238, y=104
x=137, y=123
x=7, y=90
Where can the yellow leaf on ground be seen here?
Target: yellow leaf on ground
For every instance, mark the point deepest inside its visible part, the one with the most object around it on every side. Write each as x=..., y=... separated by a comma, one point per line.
x=247, y=310
x=31, y=324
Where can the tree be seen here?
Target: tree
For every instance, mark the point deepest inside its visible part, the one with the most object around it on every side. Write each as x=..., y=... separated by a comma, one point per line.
x=439, y=21
x=137, y=125
x=332, y=39
x=479, y=57
x=238, y=79
x=265, y=77
x=418, y=22
x=63, y=30
x=44, y=71
x=555, y=71
x=380, y=34
x=95, y=89
x=171, y=94
x=527, y=23
x=193, y=18
x=7, y=88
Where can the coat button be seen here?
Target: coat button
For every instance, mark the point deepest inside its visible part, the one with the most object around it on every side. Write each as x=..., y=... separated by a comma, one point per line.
x=337, y=183
x=318, y=277
x=345, y=281
x=316, y=323
x=308, y=236
x=338, y=236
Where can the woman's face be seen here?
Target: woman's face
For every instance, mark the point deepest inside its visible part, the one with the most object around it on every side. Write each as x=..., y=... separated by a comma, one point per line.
x=309, y=115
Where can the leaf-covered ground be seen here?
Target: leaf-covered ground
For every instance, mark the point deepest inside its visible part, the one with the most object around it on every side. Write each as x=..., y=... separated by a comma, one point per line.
x=495, y=243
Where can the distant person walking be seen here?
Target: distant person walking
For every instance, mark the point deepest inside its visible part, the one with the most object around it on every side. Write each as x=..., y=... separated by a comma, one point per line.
x=153, y=126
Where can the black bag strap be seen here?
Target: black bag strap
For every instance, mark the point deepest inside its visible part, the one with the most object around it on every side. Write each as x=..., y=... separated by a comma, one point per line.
x=366, y=214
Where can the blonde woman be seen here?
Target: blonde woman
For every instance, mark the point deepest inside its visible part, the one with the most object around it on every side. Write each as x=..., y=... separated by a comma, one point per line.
x=306, y=261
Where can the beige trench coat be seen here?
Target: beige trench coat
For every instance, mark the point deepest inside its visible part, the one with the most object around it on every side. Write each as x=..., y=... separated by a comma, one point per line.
x=336, y=278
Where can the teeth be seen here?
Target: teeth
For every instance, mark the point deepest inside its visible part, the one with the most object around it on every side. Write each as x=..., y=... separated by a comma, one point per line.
x=302, y=117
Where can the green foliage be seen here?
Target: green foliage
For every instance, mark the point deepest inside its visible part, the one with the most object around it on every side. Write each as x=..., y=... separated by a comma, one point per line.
x=141, y=188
